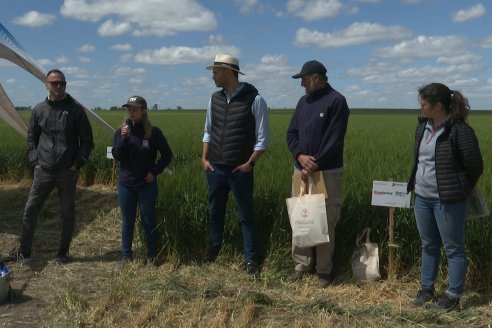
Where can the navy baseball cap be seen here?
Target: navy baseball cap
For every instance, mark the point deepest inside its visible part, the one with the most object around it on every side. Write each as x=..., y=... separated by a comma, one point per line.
x=311, y=67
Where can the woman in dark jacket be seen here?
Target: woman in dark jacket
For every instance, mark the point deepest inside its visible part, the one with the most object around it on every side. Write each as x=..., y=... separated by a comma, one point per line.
x=136, y=145
x=447, y=166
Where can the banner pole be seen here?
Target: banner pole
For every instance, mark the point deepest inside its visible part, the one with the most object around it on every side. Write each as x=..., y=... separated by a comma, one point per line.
x=391, y=245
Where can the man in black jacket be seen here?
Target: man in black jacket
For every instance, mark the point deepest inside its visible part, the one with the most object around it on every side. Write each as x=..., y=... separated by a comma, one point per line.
x=59, y=141
x=315, y=137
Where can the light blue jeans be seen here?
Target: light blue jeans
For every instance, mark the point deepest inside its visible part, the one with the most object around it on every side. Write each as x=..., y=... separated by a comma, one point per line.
x=442, y=224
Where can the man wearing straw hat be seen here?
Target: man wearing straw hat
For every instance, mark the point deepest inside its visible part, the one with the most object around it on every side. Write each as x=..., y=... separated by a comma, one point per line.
x=236, y=134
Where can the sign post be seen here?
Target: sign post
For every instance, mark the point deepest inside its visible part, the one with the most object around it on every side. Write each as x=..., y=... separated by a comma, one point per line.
x=390, y=194
x=109, y=155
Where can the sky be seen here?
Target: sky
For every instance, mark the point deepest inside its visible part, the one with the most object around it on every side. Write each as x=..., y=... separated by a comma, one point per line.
x=377, y=52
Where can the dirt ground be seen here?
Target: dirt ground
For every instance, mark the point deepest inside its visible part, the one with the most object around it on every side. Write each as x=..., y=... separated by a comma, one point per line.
x=95, y=249
x=44, y=290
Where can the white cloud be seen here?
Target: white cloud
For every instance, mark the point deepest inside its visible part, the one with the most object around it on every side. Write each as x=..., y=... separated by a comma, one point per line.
x=136, y=80
x=62, y=60
x=426, y=46
x=126, y=57
x=35, y=19
x=355, y=34
x=246, y=6
x=87, y=48
x=215, y=39
x=470, y=13
x=45, y=62
x=466, y=82
x=126, y=71
x=10, y=81
x=110, y=28
x=466, y=58
x=487, y=42
x=83, y=59
x=122, y=47
x=183, y=55
x=74, y=73
x=143, y=17
x=312, y=10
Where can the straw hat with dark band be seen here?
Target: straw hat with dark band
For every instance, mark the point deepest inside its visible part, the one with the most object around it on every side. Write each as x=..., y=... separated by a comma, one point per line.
x=226, y=61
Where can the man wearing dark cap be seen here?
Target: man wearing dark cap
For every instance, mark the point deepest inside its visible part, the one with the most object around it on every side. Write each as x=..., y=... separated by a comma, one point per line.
x=236, y=134
x=315, y=138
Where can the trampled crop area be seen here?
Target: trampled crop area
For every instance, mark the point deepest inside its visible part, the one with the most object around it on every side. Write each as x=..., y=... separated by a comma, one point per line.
x=379, y=145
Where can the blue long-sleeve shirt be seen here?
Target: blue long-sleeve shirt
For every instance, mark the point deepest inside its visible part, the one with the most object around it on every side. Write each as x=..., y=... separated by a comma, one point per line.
x=138, y=156
x=318, y=127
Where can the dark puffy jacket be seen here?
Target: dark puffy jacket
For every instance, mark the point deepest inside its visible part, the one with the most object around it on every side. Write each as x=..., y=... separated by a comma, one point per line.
x=233, y=127
x=59, y=134
x=459, y=162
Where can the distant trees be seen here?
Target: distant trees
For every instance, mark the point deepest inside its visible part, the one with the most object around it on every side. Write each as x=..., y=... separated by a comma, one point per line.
x=154, y=107
x=18, y=108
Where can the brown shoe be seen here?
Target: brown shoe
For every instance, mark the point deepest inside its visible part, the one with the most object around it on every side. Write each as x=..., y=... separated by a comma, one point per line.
x=324, y=280
x=295, y=276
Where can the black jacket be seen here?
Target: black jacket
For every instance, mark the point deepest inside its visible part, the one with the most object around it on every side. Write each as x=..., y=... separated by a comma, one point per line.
x=59, y=134
x=459, y=162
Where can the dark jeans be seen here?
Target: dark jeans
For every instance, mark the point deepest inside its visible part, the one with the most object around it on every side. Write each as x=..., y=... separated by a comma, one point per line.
x=220, y=181
x=65, y=180
x=146, y=197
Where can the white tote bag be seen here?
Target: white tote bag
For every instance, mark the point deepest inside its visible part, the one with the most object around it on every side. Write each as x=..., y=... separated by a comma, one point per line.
x=477, y=205
x=365, y=260
x=307, y=216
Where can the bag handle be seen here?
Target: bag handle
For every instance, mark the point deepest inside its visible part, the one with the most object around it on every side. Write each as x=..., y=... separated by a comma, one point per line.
x=360, y=236
x=311, y=187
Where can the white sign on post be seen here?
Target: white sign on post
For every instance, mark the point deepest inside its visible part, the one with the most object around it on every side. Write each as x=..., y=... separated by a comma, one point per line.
x=390, y=194
x=109, y=154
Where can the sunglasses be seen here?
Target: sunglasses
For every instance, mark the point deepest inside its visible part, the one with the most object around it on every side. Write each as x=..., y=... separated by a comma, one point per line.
x=57, y=83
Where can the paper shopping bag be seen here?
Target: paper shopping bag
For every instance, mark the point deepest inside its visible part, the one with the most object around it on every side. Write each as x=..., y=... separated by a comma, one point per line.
x=365, y=260
x=307, y=216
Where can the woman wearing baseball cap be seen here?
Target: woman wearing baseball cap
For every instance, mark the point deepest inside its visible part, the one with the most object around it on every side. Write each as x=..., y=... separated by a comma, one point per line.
x=135, y=146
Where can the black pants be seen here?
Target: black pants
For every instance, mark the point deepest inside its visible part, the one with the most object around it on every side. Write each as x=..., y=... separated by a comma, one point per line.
x=65, y=180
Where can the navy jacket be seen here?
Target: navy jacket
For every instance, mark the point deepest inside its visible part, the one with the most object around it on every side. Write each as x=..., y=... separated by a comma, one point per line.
x=138, y=156
x=318, y=127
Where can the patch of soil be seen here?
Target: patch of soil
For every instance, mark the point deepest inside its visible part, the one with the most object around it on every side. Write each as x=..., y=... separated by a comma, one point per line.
x=94, y=250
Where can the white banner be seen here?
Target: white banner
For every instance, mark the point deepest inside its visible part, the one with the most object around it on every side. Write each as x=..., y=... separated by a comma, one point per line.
x=390, y=194
x=11, y=50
